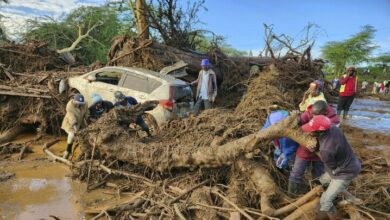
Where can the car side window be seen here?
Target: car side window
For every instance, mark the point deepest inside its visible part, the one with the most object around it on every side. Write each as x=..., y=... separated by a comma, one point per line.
x=153, y=84
x=110, y=77
x=136, y=82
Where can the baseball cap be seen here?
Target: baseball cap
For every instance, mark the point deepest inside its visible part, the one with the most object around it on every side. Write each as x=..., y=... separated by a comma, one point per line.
x=317, y=123
x=79, y=99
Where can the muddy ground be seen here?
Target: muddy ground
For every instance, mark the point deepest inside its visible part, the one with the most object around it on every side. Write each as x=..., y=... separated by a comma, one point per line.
x=38, y=188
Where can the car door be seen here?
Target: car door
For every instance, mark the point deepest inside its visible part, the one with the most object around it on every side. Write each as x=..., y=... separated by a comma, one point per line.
x=106, y=83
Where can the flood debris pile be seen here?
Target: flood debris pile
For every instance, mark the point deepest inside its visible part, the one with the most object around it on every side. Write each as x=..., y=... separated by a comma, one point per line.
x=372, y=184
x=232, y=73
x=212, y=166
x=30, y=57
x=31, y=100
x=6, y=150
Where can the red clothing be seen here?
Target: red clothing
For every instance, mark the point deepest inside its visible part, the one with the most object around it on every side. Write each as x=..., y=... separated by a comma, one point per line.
x=349, y=84
x=303, y=152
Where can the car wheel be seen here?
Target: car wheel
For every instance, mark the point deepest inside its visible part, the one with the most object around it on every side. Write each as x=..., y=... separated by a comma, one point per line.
x=151, y=122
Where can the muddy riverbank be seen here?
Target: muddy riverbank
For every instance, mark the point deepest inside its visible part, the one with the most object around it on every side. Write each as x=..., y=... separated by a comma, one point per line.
x=39, y=188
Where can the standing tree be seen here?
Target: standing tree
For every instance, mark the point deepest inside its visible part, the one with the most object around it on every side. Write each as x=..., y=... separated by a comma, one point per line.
x=142, y=19
x=354, y=50
x=175, y=26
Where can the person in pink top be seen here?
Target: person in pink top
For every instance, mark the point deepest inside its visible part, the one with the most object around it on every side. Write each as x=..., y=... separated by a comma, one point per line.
x=304, y=157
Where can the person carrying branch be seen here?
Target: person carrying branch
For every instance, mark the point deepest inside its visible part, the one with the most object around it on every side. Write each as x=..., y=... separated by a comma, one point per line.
x=341, y=164
x=284, y=147
x=75, y=118
x=305, y=158
x=206, y=91
x=128, y=102
x=312, y=95
x=348, y=84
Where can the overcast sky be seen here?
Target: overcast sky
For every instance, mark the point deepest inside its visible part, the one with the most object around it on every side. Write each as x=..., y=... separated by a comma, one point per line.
x=241, y=21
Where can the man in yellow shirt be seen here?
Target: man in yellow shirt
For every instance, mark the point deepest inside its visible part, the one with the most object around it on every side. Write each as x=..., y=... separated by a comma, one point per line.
x=312, y=95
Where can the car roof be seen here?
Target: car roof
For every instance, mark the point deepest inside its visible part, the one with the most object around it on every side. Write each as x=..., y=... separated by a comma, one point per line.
x=169, y=79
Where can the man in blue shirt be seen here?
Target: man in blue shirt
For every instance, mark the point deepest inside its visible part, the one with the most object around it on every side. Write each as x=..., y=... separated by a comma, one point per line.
x=128, y=101
x=284, y=147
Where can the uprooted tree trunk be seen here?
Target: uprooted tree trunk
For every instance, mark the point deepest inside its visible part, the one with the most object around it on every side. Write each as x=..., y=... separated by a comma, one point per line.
x=218, y=140
x=155, y=156
x=262, y=181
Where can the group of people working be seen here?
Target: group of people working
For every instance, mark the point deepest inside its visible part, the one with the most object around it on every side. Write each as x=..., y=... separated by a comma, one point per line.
x=78, y=114
x=333, y=163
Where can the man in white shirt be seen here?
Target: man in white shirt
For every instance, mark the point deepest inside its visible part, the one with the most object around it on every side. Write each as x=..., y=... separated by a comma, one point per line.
x=206, y=91
x=364, y=86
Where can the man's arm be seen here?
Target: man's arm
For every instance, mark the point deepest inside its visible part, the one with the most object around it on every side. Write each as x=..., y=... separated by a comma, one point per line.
x=344, y=80
x=197, y=80
x=304, y=117
x=215, y=86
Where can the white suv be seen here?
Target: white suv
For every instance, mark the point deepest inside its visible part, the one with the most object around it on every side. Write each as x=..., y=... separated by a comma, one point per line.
x=175, y=96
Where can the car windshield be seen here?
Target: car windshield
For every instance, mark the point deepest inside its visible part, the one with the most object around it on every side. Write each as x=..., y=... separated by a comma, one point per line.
x=181, y=93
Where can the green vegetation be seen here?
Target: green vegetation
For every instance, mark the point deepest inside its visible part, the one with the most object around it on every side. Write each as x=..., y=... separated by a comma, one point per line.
x=204, y=43
x=354, y=50
x=104, y=23
x=61, y=34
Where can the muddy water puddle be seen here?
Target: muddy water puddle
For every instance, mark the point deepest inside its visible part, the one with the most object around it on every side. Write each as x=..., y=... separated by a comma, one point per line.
x=40, y=188
x=372, y=115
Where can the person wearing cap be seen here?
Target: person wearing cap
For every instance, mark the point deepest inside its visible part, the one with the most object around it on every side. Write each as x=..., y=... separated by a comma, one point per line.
x=284, y=147
x=76, y=113
x=206, y=91
x=305, y=158
x=313, y=94
x=128, y=102
x=341, y=164
x=99, y=106
x=348, y=84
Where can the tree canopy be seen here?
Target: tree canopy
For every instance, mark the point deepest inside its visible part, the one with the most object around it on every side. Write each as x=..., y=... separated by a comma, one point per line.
x=384, y=58
x=61, y=34
x=354, y=50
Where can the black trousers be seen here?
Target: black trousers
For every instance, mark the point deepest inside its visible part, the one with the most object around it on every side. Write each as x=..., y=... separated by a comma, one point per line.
x=345, y=103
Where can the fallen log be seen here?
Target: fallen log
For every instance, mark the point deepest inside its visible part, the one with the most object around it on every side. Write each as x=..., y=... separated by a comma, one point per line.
x=352, y=212
x=308, y=211
x=24, y=94
x=12, y=133
x=113, y=205
x=139, y=153
x=299, y=202
x=263, y=182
